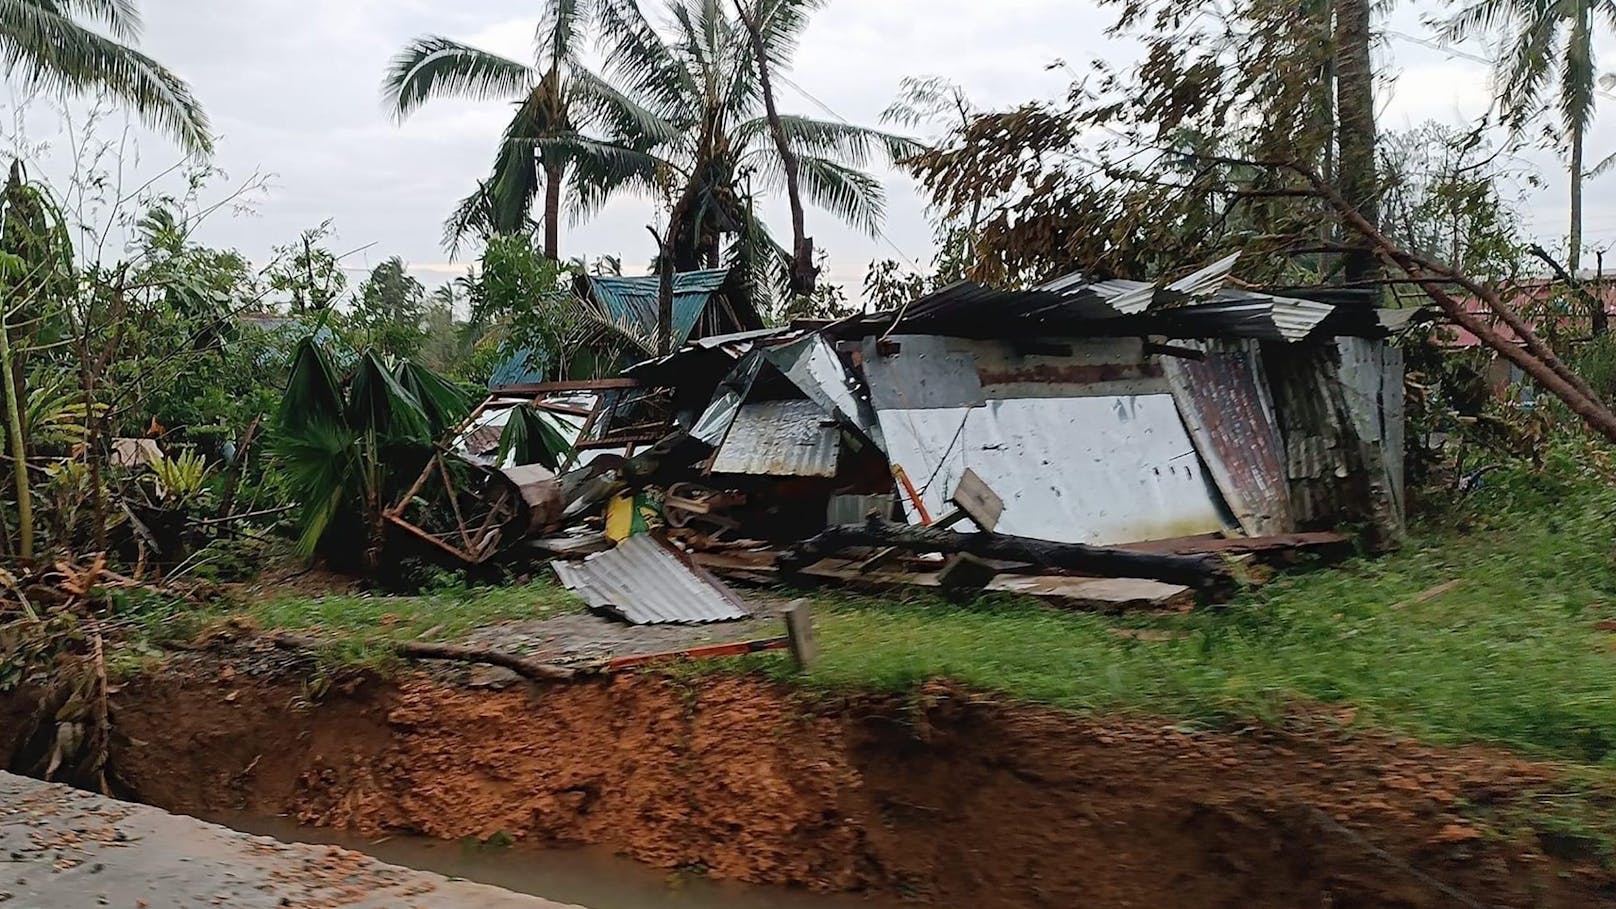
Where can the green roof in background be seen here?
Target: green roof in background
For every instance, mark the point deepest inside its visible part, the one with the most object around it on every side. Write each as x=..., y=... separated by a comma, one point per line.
x=633, y=301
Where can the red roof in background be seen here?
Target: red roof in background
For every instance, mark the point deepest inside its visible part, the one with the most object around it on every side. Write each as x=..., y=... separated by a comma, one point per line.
x=1530, y=297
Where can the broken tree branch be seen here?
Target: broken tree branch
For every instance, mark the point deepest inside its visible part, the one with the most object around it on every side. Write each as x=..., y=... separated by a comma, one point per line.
x=1595, y=306
x=421, y=650
x=1203, y=572
x=1537, y=360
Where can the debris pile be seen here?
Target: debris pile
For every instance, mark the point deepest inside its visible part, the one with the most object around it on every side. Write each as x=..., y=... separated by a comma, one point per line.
x=1094, y=443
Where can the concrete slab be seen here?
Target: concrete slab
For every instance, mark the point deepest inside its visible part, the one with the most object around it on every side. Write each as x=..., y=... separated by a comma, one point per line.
x=65, y=849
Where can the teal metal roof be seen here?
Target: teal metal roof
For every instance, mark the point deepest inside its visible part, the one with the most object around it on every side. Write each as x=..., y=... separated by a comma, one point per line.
x=633, y=301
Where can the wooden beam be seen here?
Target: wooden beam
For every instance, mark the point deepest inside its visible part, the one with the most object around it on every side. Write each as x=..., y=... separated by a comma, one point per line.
x=1203, y=572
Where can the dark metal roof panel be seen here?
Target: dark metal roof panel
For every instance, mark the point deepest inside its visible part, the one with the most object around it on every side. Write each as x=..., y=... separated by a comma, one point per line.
x=794, y=438
x=645, y=581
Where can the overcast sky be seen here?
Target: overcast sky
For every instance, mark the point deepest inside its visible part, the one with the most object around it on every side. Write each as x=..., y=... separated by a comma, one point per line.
x=292, y=87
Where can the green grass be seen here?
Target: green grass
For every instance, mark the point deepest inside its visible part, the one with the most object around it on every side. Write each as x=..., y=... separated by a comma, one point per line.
x=1511, y=656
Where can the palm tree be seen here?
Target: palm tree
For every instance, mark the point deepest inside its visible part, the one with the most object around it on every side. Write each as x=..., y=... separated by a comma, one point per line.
x=1544, y=40
x=50, y=44
x=554, y=98
x=696, y=136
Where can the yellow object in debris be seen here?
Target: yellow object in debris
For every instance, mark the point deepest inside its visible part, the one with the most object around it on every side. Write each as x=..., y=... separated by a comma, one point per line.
x=620, y=517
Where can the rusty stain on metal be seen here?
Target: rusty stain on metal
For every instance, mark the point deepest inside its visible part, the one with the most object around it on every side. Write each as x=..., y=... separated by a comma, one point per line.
x=1071, y=374
x=1226, y=408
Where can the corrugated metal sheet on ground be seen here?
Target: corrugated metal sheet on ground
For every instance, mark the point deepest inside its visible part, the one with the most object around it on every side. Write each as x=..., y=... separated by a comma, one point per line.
x=1225, y=403
x=794, y=438
x=633, y=301
x=644, y=581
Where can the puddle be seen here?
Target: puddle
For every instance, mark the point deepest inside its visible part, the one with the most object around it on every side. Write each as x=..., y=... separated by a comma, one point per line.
x=591, y=878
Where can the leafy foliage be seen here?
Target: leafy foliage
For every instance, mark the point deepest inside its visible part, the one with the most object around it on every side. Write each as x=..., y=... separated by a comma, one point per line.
x=531, y=437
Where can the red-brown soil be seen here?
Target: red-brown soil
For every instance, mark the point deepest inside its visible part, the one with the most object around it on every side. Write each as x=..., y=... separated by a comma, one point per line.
x=945, y=796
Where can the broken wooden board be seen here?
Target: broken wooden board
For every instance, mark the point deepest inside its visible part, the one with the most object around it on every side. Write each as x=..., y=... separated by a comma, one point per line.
x=1094, y=594
x=1327, y=542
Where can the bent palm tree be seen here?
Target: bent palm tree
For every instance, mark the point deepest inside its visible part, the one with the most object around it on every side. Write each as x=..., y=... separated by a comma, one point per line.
x=555, y=97
x=44, y=46
x=1541, y=40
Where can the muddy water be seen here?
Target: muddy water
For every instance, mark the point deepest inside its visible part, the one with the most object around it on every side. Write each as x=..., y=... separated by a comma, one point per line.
x=591, y=878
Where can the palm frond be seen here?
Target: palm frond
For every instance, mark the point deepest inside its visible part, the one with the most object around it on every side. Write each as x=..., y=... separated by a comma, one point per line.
x=531, y=437
x=1600, y=168
x=313, y=394
x=1478, y=18
x=437, y=67
x=851, y=195
x=644, y=66
x=560, y=32
x=121, y=18
x=760, y=264
x=853, y=145
x=599, y=103
x=381, y=407
x=45, y=49
x=320, y=465
x=1578, y=76
x=607, y=160
x=443, y=402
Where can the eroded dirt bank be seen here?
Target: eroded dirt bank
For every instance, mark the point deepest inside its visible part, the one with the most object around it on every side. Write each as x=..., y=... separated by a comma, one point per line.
x=948, y=796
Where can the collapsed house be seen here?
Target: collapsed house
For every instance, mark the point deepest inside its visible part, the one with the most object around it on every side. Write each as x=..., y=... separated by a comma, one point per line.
x=1110, y=413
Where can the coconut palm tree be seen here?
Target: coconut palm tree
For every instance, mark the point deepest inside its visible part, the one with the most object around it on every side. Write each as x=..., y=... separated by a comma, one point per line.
x=695, y=134
x=1544, y=41
x=54, y=45
x=554, y=98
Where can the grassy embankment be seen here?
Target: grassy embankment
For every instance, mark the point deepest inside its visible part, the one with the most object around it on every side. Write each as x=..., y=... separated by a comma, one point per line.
x=1511, y=655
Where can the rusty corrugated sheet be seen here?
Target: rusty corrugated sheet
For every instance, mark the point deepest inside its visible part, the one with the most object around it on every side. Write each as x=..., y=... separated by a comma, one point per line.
x=792, y=438
x=1323, y=456
x=644, y=581
x=1226, y=406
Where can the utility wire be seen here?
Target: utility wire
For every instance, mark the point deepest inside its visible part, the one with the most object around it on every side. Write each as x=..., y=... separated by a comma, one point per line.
x=845, y=122
x=1452, y=51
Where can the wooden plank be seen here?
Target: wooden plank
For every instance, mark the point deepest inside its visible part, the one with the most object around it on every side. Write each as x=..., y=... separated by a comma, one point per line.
x=537, y=388
x=965, y=573
x=800, y=634
x=1094, y=594
x=703, y=652
x=1231, y=545
x=974, y=497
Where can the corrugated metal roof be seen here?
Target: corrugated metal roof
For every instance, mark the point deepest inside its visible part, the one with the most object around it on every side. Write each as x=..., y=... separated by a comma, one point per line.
x=818, y=371
x=644, y=581
x=1195, y=306
x=633, y=301
x=793, y=438
x=1227, y=409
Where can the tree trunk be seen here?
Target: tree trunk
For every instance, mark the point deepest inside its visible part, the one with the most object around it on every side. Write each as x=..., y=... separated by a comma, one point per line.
x=1355, y=129
x=1203, y=572
x=19, y=447
x=1574, y=254
x=553, y=175
x=804, y=274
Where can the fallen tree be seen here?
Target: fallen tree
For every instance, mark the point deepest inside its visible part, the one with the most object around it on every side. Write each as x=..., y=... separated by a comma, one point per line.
x=1205, y=573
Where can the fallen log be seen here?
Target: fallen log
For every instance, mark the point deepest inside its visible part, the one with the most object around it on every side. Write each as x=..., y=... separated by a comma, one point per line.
x=421, y=650
x=1205, y=573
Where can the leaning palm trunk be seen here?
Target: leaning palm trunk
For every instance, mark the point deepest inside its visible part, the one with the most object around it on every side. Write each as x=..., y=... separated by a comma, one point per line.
x=18, y=444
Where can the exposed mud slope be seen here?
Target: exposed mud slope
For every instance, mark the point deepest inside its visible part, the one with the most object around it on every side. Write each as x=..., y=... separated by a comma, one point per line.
x=953, y=798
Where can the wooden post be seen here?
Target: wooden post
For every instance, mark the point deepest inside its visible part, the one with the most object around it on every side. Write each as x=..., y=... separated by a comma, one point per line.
x=800, y=635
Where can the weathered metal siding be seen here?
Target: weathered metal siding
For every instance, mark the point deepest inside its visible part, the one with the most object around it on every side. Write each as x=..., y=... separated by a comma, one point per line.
x=645, y=582
x=1335, y=459
x=781, y=439
x=1092, y=467
x=1225, y=404
x=1372, y=373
